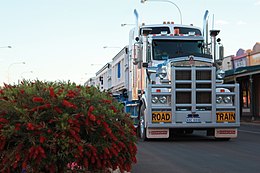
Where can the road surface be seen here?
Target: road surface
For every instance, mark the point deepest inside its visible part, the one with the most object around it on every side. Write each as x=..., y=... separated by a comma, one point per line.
x=198, y=153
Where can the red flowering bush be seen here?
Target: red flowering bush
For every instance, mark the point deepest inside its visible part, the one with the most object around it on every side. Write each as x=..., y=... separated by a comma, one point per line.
x=47, y=126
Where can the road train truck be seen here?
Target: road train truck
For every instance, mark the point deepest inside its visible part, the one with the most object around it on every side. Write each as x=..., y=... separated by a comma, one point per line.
x=173, y=82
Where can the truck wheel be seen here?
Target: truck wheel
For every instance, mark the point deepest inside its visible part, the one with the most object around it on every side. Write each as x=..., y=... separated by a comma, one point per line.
x=142, y=129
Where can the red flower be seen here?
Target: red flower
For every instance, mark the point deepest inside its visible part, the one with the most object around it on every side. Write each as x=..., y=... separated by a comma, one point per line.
x=45, y=106
x=80, y=148
x=109, y=131
x=52, y=94
x=42, y=139
x=134, y=159
x=91, y=109
x=58, y=110
x=30, y=126
x=92, y=117
x=105, y=125
x=37, y=99
x=113, y=151
x=22, y=91
x=87, y=122
x=70, y=121
x=17, y=126
x=72, y=132
x=106, y=151
x=60, y=91
x=41, y=152
x=107, y=101
x=98, y=122
x=71, y=94
x=85, y=162
x=68, y=104
x=113, y=108
x=3, y=120
x=48, y=105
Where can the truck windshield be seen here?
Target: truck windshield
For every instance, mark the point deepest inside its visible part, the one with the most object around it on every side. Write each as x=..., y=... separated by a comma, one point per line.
x=165, y=49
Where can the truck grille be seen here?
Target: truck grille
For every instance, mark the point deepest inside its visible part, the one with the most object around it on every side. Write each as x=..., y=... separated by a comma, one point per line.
x=192, y=87
x=191, y=93
x=203, y=75
x=183, y=97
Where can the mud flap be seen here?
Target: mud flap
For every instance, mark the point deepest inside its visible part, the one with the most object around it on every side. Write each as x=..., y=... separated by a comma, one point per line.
x=157, y=133
x=226, y=133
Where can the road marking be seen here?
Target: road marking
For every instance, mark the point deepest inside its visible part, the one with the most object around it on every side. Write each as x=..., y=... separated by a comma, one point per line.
x=246, y=131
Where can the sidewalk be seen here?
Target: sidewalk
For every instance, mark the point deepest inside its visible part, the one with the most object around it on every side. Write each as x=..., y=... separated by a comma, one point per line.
x=252, y=122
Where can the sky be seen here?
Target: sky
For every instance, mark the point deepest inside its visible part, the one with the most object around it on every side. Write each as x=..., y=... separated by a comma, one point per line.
x=61, y=40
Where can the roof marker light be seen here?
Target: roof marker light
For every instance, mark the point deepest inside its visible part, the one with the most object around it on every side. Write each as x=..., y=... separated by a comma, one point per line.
x=176, y=31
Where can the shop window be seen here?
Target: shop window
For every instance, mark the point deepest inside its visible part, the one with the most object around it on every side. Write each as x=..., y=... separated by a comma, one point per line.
x=118, y=70
x=246, y=94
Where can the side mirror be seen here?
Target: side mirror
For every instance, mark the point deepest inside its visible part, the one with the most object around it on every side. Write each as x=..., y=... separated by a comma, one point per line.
x=137, y=54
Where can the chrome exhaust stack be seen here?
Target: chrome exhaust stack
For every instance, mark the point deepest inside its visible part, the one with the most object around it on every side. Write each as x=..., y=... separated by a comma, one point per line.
x=205, y=31
x=136, y=22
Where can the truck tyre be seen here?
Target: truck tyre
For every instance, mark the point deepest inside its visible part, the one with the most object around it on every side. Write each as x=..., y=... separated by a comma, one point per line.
x=142, y=129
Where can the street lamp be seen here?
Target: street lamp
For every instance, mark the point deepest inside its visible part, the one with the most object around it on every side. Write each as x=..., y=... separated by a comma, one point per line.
x=6, y=47
x=105, y=47
x=143, y=1
x=125, y=24
x=95, y=64
x=9, y=69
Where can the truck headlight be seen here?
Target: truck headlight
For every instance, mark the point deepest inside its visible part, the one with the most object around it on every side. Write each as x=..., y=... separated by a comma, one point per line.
x=155, y=99
x=219, y=99
x=162, y=72
x=223, y=99
x=227, y=99
x=163, y=99
x=220, y=74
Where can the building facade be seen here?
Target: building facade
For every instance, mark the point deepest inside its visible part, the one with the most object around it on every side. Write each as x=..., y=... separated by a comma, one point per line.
x=227, y=63
x=246, y=72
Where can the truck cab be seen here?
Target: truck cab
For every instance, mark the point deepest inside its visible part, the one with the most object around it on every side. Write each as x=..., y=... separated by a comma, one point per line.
x=180, y=85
